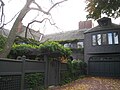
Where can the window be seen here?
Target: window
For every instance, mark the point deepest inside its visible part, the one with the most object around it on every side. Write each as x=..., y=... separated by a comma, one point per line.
x=110, y=39
x=115, y=36
x=67, y=45
x=99, y=39
x=104, y=39
x=94, y=40
x=74, y=45
x=80, y=45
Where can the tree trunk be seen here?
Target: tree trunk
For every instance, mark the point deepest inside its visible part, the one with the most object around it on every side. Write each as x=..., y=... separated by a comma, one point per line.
x=13, y=32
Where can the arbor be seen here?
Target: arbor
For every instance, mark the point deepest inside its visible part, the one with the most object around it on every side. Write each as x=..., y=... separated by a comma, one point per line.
x=19, y=19
x=95, y=8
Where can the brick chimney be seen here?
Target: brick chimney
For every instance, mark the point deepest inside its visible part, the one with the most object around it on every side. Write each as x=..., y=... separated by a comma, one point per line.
x=85, y=24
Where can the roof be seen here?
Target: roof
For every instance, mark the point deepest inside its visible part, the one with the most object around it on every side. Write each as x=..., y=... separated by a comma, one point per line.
x=104, y=24
x=30, y=34
x=68, y=35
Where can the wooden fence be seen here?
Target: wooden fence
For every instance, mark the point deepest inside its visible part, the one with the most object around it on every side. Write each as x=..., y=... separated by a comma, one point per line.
x=12, y=72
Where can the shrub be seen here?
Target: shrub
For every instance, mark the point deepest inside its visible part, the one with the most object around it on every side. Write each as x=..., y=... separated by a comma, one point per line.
x=76, y=68
x=54, y=49
x=22, y=49
x=34, y=81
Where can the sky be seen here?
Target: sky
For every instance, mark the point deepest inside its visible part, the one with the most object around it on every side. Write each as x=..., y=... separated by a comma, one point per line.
x=66, y=16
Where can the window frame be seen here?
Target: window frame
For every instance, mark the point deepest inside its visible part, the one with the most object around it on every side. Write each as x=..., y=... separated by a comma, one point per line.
x=111, y=39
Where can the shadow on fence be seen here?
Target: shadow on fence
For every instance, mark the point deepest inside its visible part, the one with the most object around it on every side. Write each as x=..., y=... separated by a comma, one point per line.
x=25, y=74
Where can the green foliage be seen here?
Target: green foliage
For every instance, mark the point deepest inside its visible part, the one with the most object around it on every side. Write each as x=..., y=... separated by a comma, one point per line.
x=65, y=78
x=51, y=48
x=2, y=42
x=35, y=80
x=97, y=7
x=20, y=40
x=54, y=47
x=22, y=49
x=76, y=66
x=76, y=69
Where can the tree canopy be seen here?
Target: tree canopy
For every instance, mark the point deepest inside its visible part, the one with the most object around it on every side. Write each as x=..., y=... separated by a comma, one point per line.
x=96, y=8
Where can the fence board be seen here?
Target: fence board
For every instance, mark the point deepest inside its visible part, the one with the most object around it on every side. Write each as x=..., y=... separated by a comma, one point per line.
x=34, y=66
x=8, y=67
x=15, y=71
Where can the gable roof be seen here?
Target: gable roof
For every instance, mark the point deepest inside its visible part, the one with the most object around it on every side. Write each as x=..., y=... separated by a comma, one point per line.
x=30, y=34
x=103, y=25
x=68, y=35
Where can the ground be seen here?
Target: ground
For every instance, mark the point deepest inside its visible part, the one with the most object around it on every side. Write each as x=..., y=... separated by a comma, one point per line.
x=91, y=83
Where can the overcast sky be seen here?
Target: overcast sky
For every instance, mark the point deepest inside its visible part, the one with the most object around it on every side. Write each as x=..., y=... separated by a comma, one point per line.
x=66, y=15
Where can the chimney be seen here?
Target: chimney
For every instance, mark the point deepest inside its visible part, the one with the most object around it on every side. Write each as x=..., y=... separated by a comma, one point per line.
x=85, y=24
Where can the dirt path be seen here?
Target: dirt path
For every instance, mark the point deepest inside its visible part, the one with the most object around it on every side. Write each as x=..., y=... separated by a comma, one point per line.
x=91, y=83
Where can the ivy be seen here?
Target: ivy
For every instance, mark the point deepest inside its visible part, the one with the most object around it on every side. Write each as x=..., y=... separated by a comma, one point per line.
x=51, y=47
x=34, y=81
x=22, y=49
x=20, y=40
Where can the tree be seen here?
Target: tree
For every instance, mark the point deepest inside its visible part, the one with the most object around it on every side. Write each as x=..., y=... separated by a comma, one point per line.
x=22, y=13
x=95, y=8
x=1, y=13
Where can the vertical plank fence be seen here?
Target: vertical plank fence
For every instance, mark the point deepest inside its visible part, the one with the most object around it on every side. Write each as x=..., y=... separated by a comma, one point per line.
x=12, y=72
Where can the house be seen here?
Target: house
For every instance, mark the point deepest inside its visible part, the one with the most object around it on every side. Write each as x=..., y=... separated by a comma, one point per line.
x=73, y=39
x=30, y=32
x=102, y=49
x=21, y=32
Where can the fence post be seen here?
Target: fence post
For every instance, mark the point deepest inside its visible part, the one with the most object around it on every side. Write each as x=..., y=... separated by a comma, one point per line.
x=46, y=71
x=23, y=72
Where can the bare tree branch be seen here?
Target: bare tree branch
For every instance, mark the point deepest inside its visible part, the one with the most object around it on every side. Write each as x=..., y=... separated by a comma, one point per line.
x=12, y=18
x=48, y=12
x=39, y=10
x=27, y=28
x=56, y=5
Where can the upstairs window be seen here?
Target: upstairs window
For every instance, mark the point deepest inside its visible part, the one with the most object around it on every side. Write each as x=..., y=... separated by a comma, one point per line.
x=105, y=39
x=94, y=40
x=115, y=36
x=99, y=39
x=110, y=39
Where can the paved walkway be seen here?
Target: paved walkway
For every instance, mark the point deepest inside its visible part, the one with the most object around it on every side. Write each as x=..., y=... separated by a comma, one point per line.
x=91, y=83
